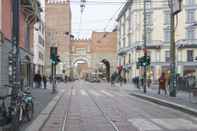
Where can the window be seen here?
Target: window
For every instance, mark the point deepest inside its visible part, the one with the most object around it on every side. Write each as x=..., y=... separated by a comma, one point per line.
x=190, y=54
x=167, y=56
x=166, y=35
x=190, y=2
x=41, y=56
x=190, y=34
x=190, y=16
x=149, y=36
x=148, y=4
x=149, y=21
x=81, y=51
x=40, y=40
x=166, y=17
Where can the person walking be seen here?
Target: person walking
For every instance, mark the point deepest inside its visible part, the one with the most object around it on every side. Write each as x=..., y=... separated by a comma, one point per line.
x=44, y=79
x=37, y=80
x=162, y=83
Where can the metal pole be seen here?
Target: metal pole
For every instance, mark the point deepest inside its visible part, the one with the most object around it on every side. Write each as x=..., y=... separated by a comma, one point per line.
x=15, y=36
x=53, y=78
x=145, y=52
x=172, y=54
x=15, y=49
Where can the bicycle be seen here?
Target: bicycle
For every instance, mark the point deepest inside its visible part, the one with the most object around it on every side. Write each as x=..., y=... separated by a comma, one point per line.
x=5, y=112
x=24, y=105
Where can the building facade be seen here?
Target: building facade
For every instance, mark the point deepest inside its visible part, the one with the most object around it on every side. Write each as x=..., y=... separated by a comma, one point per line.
x=130, y=37
x=26, y=21
x=39, y=42
x=88, y=54
x=58, y=29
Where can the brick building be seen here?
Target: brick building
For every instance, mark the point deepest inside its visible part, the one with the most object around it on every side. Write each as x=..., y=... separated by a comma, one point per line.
x=58, y=26
x=88, y=54
x=27, y=20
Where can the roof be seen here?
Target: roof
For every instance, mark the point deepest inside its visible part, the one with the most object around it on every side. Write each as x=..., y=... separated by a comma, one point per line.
x=124, y=9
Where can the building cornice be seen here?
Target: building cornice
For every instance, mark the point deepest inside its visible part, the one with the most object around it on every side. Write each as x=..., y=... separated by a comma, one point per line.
x=124, y=9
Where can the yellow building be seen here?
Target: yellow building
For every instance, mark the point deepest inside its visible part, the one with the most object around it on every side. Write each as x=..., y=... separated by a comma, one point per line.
x=130, y=37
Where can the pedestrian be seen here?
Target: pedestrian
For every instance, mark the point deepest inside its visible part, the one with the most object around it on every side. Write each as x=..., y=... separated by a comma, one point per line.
x=162, y=83
x=137, y=82
x=37, y=80
x=149, y=82
x=44, y=79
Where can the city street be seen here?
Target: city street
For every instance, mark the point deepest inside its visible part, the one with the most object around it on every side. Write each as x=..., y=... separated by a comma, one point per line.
x=99, y=107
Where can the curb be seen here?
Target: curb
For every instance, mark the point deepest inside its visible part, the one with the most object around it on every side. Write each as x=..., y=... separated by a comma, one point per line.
x=173, y=105
x=38, y=123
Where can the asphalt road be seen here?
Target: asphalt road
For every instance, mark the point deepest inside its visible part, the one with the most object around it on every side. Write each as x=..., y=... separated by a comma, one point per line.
x=100, y=107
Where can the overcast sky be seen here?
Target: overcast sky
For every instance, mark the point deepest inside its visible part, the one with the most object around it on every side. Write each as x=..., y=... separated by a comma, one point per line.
x=97, y=16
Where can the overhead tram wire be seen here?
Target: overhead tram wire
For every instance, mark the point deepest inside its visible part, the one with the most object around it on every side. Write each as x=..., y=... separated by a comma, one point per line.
x=113, y=2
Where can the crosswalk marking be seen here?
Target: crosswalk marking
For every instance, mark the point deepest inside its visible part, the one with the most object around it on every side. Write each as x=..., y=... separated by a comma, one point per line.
x=83, y=93
x=167, y=123
x=106, y=93
x=95, y=93
x=144, y=125
x=74, y=92
x=174, y=124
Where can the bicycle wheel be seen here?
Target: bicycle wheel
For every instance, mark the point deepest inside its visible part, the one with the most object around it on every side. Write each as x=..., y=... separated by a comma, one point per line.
x=15, y=123
x=29, y=111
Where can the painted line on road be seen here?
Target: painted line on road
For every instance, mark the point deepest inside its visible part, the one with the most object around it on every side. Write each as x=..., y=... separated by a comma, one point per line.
x=107, y=93
x=66, y=114
x=95, y=93
x=84, y=93
x=74, y=92
x=144, y=125
x=176, y=124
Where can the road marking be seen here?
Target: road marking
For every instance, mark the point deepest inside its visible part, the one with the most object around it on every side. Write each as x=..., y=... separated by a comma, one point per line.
x=106, y=93
x=144, y=125
x=74, y=92
x=175, y=124
x=83, y=93
x=95, y=93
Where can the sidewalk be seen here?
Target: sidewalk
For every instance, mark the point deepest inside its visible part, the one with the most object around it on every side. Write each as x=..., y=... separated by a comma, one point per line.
x=44, y=102
x=183, y=101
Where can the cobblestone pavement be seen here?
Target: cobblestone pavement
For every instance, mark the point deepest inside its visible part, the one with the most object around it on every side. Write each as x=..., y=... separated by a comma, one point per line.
x=99, y=107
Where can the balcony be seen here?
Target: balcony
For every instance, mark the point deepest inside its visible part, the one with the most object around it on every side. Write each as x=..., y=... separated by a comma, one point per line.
x=186, y=43
x=123, y=51
x=155, y=44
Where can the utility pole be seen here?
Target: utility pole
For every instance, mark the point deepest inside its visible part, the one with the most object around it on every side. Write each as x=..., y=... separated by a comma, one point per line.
x=15, y=36
x=145, y=50
x=175, y=8
x=16, y=65
x=172, y=53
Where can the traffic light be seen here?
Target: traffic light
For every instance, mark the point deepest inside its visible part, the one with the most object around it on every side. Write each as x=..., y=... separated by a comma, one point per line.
x=148, y=60
x=57, y=60
x=143, y=61
x=53, y=56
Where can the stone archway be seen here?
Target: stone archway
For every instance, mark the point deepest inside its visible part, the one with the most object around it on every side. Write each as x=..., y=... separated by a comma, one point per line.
x=81, y=66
